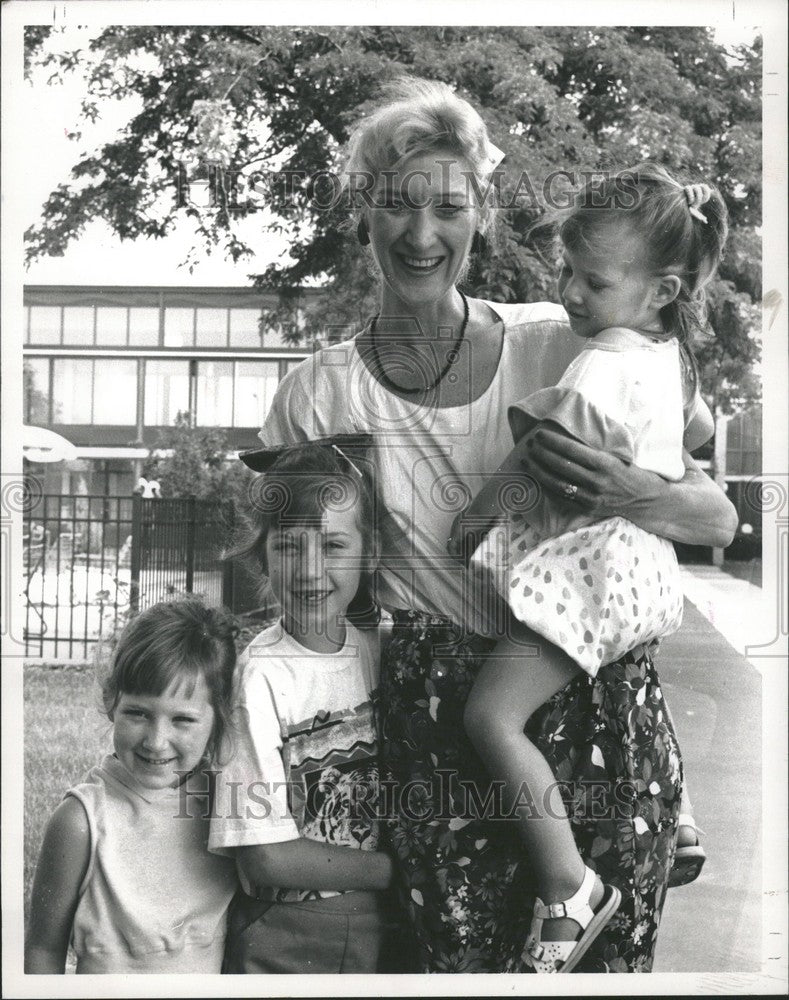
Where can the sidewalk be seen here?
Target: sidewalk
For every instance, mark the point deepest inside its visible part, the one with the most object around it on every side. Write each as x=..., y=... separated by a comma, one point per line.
x=715, y=696
x=739, y=611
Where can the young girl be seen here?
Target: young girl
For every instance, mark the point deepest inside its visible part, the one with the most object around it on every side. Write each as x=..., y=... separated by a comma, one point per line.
x=297, y=802
x=636, y=253
x=124, y=871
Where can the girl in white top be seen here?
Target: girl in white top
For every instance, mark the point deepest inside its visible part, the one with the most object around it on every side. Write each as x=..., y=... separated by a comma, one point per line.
x=124, y=871
x=296, y=804
x=637, y=250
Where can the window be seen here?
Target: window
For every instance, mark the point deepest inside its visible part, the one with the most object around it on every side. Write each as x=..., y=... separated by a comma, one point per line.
x=35, y=391
x=166, y=391
x=115, y=391
x=211, y=328
x=744, y=443
x=95, y=391
x=72, y=390
x=179, y=327
x=78, y=324
x=245, y=328
x=288, y=332
x=111, y=326
x=277, y=336
x=44, y=325
x=214, y=394
x=143, y=326
x=111, y=478
x=256, y=383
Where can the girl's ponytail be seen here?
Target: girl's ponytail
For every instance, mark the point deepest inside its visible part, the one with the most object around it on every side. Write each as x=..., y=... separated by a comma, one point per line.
x=683, y=229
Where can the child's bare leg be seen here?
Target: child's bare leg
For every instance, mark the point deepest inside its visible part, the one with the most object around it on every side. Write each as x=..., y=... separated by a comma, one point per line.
x=510, y=687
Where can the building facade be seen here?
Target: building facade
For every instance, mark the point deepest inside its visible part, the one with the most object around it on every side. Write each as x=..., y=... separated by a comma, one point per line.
x=110, y=367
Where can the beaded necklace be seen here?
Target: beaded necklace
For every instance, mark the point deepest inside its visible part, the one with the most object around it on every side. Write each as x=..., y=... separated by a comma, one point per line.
x=452, y=356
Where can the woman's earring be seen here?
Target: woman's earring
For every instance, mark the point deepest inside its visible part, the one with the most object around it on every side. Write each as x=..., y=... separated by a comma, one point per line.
x=478, y=243
x=362, y=233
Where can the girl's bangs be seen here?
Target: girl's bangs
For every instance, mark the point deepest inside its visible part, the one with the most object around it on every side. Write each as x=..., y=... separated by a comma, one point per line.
x=153, y=674
x=305, y=499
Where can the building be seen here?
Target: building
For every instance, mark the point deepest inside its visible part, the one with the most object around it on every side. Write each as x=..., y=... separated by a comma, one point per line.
x=743, y=445
x=109, y=367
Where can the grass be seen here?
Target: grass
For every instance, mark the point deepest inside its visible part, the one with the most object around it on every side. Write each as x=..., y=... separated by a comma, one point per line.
x=65, y=735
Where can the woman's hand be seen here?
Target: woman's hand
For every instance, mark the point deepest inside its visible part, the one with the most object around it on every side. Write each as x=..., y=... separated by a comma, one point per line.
x=605, y=485
x=693, y=511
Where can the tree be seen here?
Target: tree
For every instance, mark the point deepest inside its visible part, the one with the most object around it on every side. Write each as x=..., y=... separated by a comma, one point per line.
x=192, y=461
x=36, y=401
x=263, y=112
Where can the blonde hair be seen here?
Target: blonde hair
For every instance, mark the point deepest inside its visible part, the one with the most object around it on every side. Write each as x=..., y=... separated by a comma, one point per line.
x=415, y=116
x=655, y=206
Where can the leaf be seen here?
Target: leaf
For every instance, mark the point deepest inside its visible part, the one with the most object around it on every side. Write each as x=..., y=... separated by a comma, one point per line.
x=417, y=897
x=597, y=756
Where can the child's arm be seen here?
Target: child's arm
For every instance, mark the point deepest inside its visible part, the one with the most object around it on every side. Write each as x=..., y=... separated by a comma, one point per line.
x=489, y=506
x=310, y=864
x=62, y=864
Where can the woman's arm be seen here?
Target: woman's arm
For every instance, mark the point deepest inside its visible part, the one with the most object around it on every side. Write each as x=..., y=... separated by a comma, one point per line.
x=62, y=864
x=694, y=511
x=310, y=864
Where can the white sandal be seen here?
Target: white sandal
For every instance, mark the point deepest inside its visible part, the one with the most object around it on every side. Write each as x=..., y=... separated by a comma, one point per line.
x=563, y=956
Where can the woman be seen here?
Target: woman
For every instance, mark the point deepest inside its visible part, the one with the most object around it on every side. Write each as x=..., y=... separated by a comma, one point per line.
x=431, y=378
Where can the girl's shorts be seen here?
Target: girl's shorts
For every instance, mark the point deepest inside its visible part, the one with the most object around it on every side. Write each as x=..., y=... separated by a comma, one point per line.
x=338, y=934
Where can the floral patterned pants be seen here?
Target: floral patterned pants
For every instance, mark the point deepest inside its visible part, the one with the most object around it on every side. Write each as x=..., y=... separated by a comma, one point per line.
x=463, y=875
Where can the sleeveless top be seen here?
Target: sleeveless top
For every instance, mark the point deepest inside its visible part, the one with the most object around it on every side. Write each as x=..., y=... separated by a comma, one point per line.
x=153, y=899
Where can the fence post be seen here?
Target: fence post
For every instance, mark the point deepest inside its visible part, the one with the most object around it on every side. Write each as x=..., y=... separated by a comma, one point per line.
x=190, y=544
x=136, y=549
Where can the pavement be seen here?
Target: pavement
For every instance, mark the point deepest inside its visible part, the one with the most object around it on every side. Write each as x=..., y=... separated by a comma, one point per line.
x=715, y=696
x=745, y=615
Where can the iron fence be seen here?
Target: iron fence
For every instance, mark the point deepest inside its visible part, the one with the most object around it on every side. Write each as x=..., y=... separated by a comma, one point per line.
x=177, y=546
x=90, y=562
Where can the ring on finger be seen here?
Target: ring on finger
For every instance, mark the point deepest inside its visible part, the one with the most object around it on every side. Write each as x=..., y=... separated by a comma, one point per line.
x=570, y=490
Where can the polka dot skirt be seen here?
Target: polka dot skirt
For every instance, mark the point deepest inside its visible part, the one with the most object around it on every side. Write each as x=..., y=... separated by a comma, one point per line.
x=596, y=592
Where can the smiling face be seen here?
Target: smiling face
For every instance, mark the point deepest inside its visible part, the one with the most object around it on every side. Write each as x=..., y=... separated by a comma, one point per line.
x=609, y=285
x=314, y=570
x=156, y=736
x=421, y=227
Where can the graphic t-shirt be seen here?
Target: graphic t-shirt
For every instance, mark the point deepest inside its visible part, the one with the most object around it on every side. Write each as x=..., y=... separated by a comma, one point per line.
x=303, y=755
